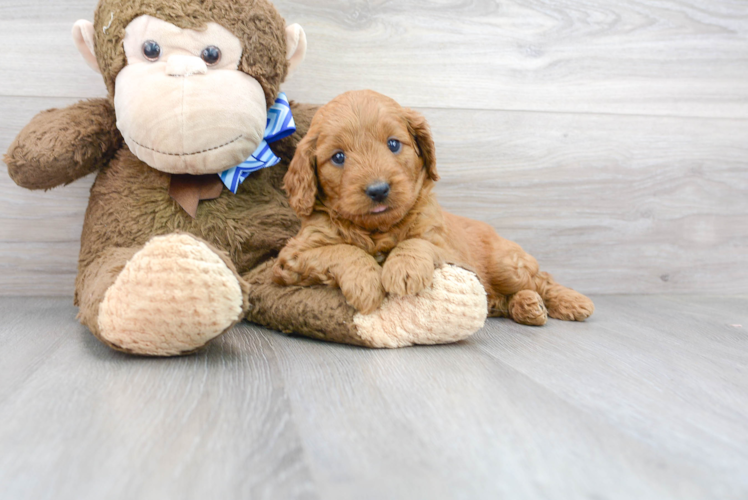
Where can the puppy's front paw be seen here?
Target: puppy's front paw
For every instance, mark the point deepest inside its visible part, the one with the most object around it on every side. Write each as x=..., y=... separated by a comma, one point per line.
x=364, y=290
x=284, y=271
x=407, y=275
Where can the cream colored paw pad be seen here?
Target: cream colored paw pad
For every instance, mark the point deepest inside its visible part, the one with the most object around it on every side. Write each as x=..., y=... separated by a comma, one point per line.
x=173, y=296
x=453, y=308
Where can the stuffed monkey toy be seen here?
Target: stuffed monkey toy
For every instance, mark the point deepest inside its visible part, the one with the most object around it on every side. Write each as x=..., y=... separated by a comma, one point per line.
x=187, y=211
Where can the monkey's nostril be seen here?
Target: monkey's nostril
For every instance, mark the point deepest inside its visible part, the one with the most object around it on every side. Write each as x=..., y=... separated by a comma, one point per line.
x=378, y=191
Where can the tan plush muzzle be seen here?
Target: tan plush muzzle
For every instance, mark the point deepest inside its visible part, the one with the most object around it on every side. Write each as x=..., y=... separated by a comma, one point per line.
x=179, y=114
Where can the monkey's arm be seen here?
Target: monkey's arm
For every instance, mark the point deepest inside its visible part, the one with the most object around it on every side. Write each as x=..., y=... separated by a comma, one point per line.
x=60, y=146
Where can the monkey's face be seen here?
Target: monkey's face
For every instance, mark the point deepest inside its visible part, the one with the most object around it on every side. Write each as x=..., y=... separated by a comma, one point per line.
x=182, y=104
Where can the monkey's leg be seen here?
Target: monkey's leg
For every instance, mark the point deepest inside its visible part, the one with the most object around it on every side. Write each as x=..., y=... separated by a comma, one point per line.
x=452, y=309
x=169, y=297
x=563, y=303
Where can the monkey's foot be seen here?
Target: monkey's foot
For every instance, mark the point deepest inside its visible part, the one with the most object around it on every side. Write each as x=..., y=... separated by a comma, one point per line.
x=171, y=298
x=452, y=309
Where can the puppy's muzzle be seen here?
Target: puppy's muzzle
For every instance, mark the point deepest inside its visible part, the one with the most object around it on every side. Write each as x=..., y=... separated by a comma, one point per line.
x=378, y=192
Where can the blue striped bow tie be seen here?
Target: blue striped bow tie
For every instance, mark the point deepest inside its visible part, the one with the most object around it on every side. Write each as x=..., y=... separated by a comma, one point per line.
x=280, y=125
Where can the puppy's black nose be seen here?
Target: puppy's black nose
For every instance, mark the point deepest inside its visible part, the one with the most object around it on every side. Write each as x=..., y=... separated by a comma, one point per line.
x=379, y=191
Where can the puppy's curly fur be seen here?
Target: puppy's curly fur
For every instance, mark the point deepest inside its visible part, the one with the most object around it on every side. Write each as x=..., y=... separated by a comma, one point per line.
x=372, y=244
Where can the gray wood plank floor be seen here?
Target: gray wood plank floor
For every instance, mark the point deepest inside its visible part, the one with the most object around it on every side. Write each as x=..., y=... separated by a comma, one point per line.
x=648, y=399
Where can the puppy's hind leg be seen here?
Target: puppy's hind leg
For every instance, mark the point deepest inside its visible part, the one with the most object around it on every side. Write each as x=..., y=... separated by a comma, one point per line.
x=510, y=269
x=563, y=303
x=516, y=274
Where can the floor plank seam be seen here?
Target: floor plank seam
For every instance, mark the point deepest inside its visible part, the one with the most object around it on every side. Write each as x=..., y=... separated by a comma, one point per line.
x=252, y=328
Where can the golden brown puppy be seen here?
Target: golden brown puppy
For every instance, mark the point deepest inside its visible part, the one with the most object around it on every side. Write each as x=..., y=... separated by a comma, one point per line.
x=361, y=182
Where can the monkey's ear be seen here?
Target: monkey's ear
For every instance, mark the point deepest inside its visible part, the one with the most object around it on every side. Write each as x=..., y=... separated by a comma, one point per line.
x=424, y=142
x=83, y=36
x=300, y=181
x=295, y=46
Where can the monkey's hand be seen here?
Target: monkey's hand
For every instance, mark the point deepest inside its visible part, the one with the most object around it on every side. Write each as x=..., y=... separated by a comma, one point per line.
x=60, y=146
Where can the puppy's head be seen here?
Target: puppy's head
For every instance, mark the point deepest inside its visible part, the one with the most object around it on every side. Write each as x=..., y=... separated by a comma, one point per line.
x=365, y=157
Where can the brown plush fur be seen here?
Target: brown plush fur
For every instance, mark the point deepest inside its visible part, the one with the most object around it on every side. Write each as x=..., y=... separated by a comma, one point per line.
x=349, y=240
x=60, y=146
x=130, y=202
x=255, y=22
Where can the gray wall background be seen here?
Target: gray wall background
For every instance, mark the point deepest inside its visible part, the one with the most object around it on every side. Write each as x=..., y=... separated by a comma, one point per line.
x=609, y=138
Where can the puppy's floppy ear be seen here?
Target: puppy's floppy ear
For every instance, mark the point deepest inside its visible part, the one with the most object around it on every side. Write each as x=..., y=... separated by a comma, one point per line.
x=424, y=143
x=300, y=181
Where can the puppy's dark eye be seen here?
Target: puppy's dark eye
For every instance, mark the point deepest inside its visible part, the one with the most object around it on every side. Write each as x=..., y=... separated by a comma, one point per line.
x=338, y=159
x=395, y=145
x=211, y=55
x=151, y=50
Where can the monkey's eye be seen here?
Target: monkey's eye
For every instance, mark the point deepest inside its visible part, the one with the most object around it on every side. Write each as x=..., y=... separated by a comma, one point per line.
x=211, y=55
x=151, y=50
x=338, y=159
x=395, y=145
